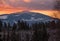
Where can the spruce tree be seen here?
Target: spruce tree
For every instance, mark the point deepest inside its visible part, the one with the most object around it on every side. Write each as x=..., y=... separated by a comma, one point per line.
x=5, y=26
x=14, y=27
x=1, y=25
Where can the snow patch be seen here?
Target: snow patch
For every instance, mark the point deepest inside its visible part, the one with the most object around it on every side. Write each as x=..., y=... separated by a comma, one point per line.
x=33, y=19
x=15, y=21
x=3, y=17
x=17, y=15
x=33, y=14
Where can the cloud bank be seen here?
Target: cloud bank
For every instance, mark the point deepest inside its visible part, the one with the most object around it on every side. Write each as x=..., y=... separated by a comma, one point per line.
x=29, y=4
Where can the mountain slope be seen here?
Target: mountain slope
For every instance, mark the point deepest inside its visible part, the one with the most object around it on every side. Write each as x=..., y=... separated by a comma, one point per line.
x=30, y=17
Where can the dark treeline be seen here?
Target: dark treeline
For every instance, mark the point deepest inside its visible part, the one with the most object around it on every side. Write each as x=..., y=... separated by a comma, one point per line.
x=39, y=30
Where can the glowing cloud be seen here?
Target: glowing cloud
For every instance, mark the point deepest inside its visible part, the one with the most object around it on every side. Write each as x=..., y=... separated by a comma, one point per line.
x=27, y=1
x=40, y=6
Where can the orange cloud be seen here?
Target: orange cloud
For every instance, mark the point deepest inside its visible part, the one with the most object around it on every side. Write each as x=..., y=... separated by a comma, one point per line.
x=43, y=7
x=52, y=13
x=9, y=9
x=27, y=1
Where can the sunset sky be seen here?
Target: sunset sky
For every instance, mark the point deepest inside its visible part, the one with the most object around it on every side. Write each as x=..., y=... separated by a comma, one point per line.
x=40, y=6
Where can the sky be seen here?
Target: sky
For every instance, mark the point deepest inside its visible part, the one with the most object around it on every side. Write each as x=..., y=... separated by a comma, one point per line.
x=40, y=6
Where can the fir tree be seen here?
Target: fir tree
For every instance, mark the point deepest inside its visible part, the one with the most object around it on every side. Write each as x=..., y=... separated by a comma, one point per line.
x=14, y=27
x=1, y=25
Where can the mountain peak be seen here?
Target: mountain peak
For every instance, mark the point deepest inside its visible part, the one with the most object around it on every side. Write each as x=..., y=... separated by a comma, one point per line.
x=30, y=17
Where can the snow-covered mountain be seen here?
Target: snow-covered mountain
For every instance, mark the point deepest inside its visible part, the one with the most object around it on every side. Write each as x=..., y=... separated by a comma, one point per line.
x=30, y=17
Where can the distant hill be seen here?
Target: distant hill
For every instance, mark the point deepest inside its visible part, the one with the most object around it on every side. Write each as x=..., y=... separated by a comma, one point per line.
x=30, y=17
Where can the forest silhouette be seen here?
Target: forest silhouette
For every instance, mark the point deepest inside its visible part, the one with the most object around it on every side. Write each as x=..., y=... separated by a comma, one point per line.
x=39, y=30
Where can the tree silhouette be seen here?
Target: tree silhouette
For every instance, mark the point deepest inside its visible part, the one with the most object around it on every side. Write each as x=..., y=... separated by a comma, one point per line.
x=22, y=25
x=52, y=24
x=26, y=26
x=45, y=34
x=13, y=37
x=0, y=38
x=1, y=25
x=14, y=27
x=34, y=37
x=9, y=27
x=40, y=32
x=5, y=26
x=1, y=29
x=27, y=37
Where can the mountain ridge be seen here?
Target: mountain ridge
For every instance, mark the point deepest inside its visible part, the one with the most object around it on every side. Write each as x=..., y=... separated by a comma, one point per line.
x=30, y=17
